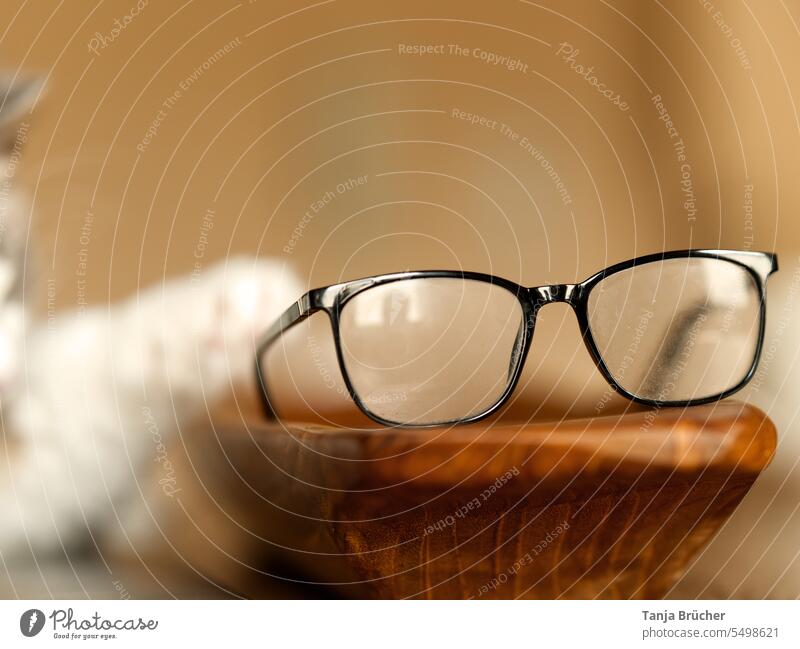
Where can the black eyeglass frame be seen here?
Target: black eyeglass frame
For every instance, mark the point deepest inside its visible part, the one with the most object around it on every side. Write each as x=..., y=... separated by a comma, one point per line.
x=332, y=299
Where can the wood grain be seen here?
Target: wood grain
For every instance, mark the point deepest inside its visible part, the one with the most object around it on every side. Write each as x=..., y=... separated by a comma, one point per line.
x=608, y=507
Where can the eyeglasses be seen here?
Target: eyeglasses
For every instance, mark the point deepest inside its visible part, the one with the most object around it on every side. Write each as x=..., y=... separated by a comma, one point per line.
x=427, y=348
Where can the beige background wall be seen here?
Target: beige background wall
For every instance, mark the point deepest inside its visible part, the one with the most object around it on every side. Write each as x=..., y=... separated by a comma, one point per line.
x=308, y=98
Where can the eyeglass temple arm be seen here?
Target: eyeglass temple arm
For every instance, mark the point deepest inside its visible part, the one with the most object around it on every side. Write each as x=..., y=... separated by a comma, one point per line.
x=674, y=339
x=296, y=313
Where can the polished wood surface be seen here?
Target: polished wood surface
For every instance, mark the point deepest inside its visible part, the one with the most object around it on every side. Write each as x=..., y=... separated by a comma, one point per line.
x=605, y=507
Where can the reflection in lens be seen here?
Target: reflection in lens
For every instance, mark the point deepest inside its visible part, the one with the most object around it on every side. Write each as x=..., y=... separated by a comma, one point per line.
x=677, y=329
x=431, y=350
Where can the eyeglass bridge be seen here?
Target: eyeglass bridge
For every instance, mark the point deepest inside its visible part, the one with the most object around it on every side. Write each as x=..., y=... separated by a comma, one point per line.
x=542, y=295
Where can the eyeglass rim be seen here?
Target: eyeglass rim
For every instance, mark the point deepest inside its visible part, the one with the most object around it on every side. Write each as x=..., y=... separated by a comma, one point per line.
x=332, y=299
